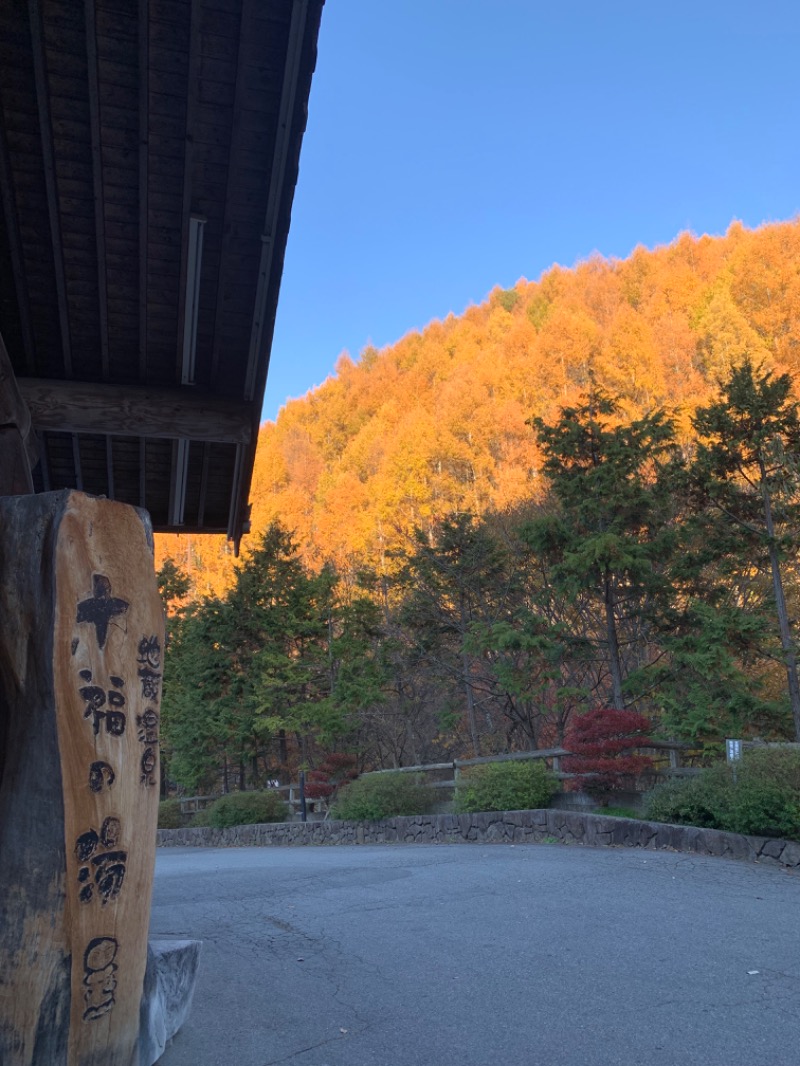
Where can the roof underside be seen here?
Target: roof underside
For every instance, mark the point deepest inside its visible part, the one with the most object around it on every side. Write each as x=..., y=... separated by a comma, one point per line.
x=129, y=131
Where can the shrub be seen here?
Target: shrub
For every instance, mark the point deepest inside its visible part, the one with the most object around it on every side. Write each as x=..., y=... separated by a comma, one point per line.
x=201, y=818
x=781, y=765
x=760, y=796
x=682, y=801
x=505, y=786
x=247, y=808
x=376, y=796
x=169, y=814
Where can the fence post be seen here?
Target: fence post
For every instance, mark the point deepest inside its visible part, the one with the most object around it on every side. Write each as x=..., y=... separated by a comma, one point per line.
x=303, y=814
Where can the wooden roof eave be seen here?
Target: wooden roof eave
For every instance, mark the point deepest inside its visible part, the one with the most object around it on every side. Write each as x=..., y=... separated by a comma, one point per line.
x=300, y=63
x=100, y=285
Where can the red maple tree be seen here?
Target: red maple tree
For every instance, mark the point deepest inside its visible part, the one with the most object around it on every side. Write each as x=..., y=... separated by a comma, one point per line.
x=604, y=742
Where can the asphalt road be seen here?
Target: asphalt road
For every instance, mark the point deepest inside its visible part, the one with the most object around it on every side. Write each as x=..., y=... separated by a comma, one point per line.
x=467, y=955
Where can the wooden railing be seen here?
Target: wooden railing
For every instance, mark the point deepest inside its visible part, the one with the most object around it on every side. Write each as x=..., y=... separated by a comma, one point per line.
x=672, y=748
x=553, y=756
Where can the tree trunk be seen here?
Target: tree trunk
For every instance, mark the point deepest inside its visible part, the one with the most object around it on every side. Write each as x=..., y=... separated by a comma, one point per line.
x=470, y=697
x=465, y=672
x=613, y=647
x=81, y=638
x=787, y=641
x=283, y=757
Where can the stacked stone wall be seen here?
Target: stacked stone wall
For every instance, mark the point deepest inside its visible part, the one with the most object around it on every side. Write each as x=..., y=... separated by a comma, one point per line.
x=505, y=827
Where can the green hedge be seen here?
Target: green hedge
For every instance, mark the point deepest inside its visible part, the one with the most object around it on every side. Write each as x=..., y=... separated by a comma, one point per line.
x=505, y=786
x=169, y=814
x=245, y=808
x=376, y=796
x=759, y=795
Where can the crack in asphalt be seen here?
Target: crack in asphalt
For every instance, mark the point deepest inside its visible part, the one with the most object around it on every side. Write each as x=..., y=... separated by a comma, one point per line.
x=313, y=1047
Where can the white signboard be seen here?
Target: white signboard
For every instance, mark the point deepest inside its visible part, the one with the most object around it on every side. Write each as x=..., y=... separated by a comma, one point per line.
x=734, y=750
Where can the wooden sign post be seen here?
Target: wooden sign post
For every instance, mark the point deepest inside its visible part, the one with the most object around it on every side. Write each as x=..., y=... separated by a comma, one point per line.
x=81, y=655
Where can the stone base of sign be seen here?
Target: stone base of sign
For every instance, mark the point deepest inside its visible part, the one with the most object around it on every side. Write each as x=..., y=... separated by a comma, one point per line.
x=167, y=999
x=81, y=636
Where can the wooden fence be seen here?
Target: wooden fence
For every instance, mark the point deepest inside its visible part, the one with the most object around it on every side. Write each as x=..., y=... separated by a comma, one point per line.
x=672, y=750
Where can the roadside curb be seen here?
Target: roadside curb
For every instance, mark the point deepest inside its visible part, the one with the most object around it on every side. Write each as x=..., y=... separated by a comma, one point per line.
x=497, y=827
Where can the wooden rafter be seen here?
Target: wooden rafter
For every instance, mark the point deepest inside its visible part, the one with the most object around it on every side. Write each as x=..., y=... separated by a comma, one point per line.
x=143, y=179
x=236, y=520
x=201, y=505
x=76, y=462
x=191, y=107
x=97, y=178
x=15, y=249
x=14, y=411
x=227, y=228
x=48, y=156
x=83, y=407
x=110, y=467
x=17, y=443
x=44, y=467
x=263, y=314
x=142, y=473
x=261, y=333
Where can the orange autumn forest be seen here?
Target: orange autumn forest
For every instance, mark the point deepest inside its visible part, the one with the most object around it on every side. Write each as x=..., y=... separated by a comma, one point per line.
x=435, y=437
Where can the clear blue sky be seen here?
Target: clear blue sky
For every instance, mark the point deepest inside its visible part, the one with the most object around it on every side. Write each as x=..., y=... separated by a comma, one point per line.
x=455, y=145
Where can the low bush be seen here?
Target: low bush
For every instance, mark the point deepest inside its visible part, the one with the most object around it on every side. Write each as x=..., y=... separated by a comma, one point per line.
x=376, y=796
x=682, y=801
x=759, y=795
x=201, y=818
x=505, y=786
x=246, y=808
x=169, y=814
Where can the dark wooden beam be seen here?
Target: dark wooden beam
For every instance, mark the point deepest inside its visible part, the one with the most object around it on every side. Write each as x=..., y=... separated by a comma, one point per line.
x=144, y=105
x=18, y=440
x=44, y=468
x=15, y=249
x=268, y=284
x=111, y=493
x=227, y=226
x=201, y=506
x=97, y=179
x=48, y=156
x=81, y=407
x=267, y=287
x=15, y=470
x=239, y=512
x=188, y=168
x=76, y=462
x=13, y=409
x=143, y=474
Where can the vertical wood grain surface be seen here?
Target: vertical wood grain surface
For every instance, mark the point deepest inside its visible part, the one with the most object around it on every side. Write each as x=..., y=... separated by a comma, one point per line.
x=81, y=675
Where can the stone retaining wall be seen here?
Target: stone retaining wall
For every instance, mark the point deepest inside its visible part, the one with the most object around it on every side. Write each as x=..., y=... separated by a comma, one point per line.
x=507, y=827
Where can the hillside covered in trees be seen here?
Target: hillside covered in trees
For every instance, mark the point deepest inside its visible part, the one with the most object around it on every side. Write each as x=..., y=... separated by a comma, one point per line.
x=580, y=493
x=437, y=423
